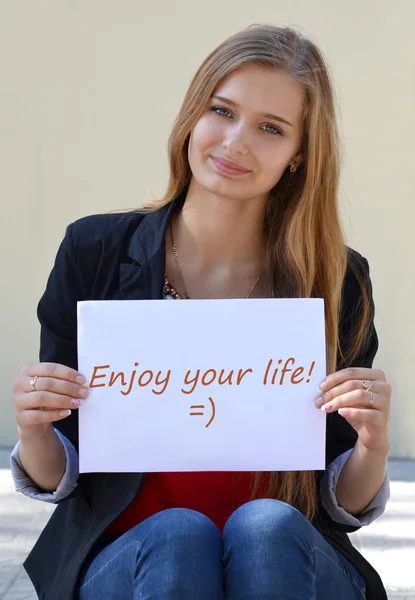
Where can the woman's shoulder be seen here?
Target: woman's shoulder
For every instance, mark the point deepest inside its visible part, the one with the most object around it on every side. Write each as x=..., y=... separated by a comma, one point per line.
x=355, y=260
x=108, y=227
x=357, y=274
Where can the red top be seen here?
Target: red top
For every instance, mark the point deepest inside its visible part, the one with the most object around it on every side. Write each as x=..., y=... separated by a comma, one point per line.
x=216, y=494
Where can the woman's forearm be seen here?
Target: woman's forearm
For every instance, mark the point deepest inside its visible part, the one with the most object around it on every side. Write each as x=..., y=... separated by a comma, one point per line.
x=361, y=478
x=43, y=459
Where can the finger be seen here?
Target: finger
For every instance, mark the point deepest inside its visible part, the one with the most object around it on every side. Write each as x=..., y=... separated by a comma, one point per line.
x=382, y=388
x=46, y=401
x=37, y=417
x=57, y=386
x=358, y=399
x=55, y=370
x=359, y=373
x=361, y=416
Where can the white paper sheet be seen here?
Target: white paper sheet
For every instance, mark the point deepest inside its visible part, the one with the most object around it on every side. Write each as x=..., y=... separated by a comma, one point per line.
x=204, y=386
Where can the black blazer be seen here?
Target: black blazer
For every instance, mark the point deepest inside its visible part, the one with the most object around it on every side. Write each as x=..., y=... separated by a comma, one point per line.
x=122, y=256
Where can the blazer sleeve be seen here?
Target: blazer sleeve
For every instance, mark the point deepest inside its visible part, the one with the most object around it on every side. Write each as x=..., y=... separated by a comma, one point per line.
x=340, y=434
x=57, y=314
x=85, y=266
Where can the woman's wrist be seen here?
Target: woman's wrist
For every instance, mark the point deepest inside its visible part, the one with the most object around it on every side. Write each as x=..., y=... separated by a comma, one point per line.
x=25, y=436
x=382, y=449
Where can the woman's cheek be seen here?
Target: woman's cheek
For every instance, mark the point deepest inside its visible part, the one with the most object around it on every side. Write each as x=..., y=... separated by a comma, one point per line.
x=213, y=133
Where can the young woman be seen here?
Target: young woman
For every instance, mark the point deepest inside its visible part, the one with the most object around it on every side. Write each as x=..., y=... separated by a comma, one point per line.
x=250, y=211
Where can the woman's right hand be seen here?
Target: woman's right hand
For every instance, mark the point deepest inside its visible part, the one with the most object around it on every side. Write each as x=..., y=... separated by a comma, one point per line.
x=58, y=390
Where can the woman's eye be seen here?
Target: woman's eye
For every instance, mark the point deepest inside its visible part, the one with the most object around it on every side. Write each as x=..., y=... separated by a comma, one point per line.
x=224, y=112
x=272, y=129
x=221, y=111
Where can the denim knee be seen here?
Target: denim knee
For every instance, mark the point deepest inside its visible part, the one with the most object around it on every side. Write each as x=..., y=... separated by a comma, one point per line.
x=176, y=553
x=266, y=518
x=181, y=525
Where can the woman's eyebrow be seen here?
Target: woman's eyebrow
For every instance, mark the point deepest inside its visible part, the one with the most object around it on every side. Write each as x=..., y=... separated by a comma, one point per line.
x=266, y=115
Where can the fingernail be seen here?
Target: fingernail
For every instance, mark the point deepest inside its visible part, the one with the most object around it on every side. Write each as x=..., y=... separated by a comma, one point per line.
x=65, y=413
x=327, y=407
x=84, y=392
x=318, y=402
x=76, y=402
x=81, y=379
x=322, y=384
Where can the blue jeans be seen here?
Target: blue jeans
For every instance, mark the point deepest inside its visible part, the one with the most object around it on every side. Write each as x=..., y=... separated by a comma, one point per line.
x=268, y=551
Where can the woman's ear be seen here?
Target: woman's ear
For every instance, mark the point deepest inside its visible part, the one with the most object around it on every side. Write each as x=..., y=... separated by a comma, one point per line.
x=298, y=159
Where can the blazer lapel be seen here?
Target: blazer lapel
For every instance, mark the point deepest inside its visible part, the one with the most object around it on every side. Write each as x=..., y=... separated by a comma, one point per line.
x=143, y=277
x=145, y=282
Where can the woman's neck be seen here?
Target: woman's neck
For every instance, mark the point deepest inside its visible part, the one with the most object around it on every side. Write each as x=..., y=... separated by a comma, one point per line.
x=219, y=245
x=216, y=231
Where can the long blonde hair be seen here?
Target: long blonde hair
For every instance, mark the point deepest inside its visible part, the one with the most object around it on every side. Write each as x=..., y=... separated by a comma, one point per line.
x=305, y=254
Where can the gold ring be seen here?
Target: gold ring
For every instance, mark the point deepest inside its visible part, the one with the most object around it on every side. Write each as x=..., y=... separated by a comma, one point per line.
x=33, y=383
x=371, y=400
x=365, y=387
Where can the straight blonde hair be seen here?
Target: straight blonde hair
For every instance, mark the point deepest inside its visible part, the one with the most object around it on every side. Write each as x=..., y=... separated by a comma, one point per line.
x=305, y=254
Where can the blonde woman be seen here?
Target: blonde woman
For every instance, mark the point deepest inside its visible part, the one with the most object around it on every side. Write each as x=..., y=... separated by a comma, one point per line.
x=251, y=211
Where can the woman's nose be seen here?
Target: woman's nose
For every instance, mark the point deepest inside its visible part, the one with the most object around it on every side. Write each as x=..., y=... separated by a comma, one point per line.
x=235, y=141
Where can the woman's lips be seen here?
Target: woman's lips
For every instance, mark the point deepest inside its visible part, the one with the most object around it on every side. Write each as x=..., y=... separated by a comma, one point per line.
x=225, y=168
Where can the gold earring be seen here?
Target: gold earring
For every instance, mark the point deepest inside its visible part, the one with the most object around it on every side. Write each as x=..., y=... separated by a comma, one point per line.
x=293, y=168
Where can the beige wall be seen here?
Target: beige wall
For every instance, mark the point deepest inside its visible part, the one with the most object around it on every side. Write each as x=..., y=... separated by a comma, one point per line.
x=89, y=91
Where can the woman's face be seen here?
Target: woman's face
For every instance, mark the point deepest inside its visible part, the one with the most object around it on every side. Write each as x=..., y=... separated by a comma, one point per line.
x=253, y=120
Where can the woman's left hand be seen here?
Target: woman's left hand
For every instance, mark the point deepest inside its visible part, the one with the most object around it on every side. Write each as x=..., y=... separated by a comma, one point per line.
x=367, y=411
